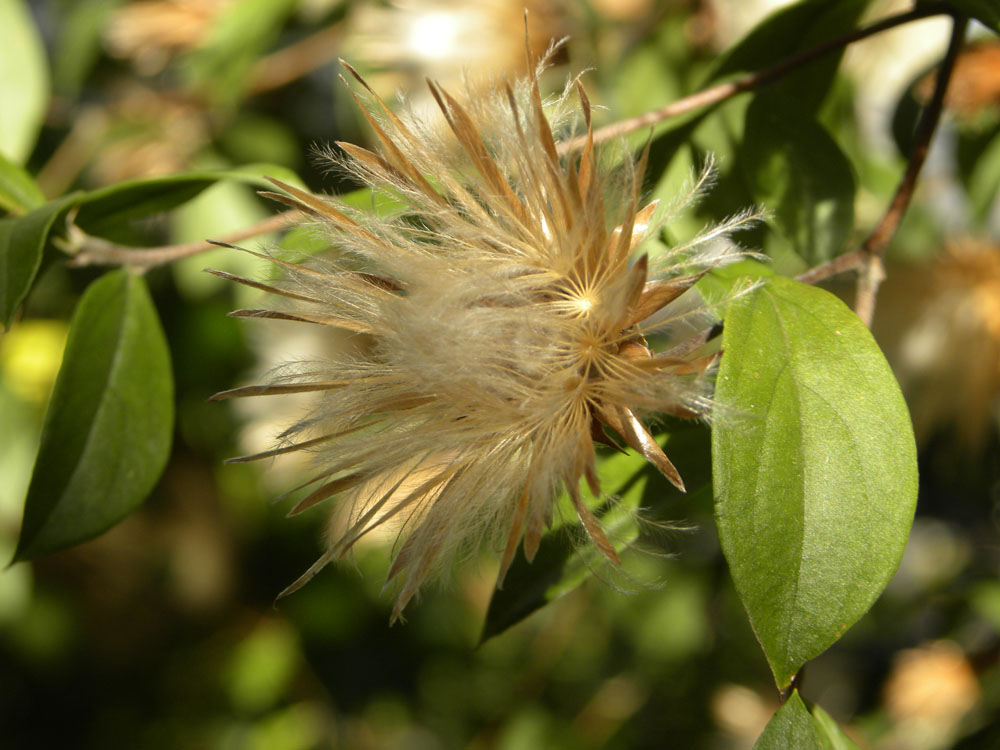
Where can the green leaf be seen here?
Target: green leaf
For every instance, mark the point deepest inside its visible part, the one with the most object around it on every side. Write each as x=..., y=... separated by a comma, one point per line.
x=814, y=468
x=904, y=122
x=798, y=171
x=790, y=728
x=22, y=241
x=24, y=80
x=18, y=192
x=831, y=736
x=985, y=11
x=103, y=211
x=108, y=428
x=562, y=562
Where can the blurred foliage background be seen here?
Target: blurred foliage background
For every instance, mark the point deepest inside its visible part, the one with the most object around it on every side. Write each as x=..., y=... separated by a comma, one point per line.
x=163, y=633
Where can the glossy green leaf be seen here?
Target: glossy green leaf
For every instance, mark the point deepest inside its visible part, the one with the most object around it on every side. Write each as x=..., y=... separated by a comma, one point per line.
x=22, y=241
x=18, y=192
x=986, y=12
x=795, y=169
x=108, y=428
x=831, y=736
x=791, y=728
x=814, y=468
x=24, y=80
x=564, y=560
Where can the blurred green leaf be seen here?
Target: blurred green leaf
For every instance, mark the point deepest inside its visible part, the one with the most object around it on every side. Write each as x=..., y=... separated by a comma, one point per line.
x=79, y=43
x=562, y=562
x=789, y=30
x=644, y=80
x=225, y=207
x=985, y=11
x=254, y=137
x=831, y=736
x=239, y=34
x=301, y=726
x=109, y=423
x=262, y=666
x=984, y=599
x=18, y=191
x=790, y=728
x=24, y=81
x=905, y=116
x=257, y=173
x=22, y=241
x=984, y=182
x=304, y=239
x=374, y=202
x=814, y=471
x=798, y=171
x=684, y=143
x=647, y=78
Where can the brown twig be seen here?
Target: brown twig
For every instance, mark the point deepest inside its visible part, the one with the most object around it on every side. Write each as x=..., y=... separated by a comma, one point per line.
x=867, y=260
x=871, y=274
x=91, y=251
x=751, y=81
x=841, y=264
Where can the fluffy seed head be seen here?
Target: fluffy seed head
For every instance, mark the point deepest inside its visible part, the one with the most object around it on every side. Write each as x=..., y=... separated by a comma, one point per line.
x=501, y=317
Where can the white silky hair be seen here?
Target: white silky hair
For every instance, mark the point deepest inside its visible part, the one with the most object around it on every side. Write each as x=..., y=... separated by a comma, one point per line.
x=501, y=312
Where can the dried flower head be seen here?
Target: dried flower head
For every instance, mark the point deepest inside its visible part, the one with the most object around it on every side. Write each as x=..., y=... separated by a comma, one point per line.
x=502, y=320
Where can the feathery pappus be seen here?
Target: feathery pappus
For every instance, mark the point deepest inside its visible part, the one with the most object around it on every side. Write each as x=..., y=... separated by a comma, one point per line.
x=502, y=318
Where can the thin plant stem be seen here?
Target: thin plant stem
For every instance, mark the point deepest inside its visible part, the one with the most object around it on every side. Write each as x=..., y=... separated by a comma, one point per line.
x=751, y=81
x=872, y=273
x=95, y=251
x=867, y=260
